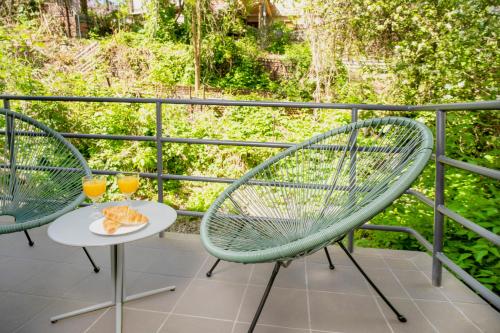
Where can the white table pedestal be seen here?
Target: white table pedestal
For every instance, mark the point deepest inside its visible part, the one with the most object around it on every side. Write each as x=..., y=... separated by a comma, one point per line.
x=119, y=297
x=73, y=229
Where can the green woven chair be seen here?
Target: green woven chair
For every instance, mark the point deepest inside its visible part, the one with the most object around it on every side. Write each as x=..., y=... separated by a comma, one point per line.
x=40, y=175
x=313, y=194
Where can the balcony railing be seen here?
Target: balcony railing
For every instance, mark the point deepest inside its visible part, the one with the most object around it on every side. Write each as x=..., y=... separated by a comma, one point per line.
x=441, y=160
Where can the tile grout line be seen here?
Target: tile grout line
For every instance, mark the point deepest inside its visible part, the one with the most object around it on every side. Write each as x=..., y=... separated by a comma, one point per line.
x=410, y=297
x=35, y=315
x=243, y=298
x=372, y=293
x=307, y=298
x=453, y=305
x=97, y=319
x=183, y=293
x=202, y=317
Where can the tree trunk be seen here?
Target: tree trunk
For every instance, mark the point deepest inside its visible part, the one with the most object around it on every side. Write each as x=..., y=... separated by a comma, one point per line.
x=84, y=8
x=196, y=32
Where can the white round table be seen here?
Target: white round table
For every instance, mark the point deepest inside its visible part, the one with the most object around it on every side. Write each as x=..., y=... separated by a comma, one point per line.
x=73, y=229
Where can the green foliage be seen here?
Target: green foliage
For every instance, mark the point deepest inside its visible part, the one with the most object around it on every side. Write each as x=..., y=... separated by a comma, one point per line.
x=278, y=37
x=436, y=52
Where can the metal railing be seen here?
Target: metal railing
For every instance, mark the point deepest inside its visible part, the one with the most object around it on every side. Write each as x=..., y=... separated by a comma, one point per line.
x=440, y=210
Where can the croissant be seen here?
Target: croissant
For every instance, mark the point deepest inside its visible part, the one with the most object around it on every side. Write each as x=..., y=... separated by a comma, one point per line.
x=110, y=226
x=124, y=214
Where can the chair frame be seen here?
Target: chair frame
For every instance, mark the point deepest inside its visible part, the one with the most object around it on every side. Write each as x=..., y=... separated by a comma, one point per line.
x=11, y=117
x=323, y=238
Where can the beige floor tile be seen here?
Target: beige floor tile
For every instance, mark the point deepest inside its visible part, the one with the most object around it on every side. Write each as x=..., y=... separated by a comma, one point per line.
x=98, y=288
x=162, y=302
x=345, y=313
x=214, y=299
x=243, y=328
x=292, y=276
x=445, y=317
x=226, y=271
x=182, y=264
x=385, y=280
x=134, y=321
x=416, y=323
x=284, y=307
x=55, y=281
x=423, y=261
x=418, y=286
x=16, y=309
x=41, y=323
x=484, y=316
x=184, y=324
x=342, y=279
x=15, y=271
x=456, y=290
x=404, y=264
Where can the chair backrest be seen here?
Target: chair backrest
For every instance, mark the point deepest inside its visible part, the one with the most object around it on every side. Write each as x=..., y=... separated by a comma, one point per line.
x=40, y=172
x=320, y=189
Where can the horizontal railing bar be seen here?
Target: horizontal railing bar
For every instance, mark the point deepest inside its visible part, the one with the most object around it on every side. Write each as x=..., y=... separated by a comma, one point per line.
x=492, y=173
x=420, y=196
x=206, y=141
x=189, y=213
x=495, y=239
x=109, y=137
x=277, y=145
x=421, y=239
x=229, y=142
x=216, y=102
x=488, y=105
x=487, y=294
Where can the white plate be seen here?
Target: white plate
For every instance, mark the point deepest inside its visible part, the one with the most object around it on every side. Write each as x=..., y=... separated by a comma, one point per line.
x=97, y=228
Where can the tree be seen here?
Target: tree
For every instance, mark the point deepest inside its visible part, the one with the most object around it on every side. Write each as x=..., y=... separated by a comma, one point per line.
x=329, y=32
x=195, y=7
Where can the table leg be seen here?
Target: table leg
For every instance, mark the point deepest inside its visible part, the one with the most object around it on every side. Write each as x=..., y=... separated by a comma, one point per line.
x=118, y=273
x=117, y=276
x=81, y=311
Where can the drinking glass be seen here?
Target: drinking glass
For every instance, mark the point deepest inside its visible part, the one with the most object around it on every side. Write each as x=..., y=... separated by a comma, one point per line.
x=128, y=183
x=94, y=188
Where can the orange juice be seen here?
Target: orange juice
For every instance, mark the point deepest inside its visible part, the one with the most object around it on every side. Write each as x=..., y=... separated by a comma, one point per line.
x=128, y=184
x=94, y=188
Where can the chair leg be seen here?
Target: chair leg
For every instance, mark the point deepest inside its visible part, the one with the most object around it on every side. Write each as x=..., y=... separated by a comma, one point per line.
x=264, y=297
x=401, y=318
x=328, y=257
x=96, y=268
x=209, y=273
x=30, y=242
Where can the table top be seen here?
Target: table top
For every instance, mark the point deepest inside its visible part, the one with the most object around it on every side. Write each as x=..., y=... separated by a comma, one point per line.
x=73, y=228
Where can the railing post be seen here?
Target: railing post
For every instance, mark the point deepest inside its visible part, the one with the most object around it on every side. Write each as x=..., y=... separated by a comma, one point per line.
x=159, y=154
x=6, y=104
x=352, y=180
x=437, y=267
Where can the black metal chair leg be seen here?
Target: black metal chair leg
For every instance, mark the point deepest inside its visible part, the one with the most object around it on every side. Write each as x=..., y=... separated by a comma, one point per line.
x=96, y=268
x=328, y=257
x=264, y=297
x=209, y=273
x=401, y=318
x=30, y=242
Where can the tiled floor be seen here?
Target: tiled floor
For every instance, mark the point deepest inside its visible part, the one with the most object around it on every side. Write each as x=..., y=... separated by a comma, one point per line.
x=49, y=279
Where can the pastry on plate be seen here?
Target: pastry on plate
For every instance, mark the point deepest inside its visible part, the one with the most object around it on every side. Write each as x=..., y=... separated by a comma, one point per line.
x=124, y=215
x=110, y=226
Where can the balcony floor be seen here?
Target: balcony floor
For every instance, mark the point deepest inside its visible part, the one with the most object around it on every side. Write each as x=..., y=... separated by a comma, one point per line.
x=48, y=279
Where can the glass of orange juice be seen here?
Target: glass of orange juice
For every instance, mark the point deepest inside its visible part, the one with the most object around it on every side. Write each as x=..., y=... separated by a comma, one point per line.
x=94, y=188
x=128, y=183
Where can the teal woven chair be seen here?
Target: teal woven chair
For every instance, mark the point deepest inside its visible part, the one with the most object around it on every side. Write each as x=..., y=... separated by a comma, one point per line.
x=40, y=175
x=313, y=194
